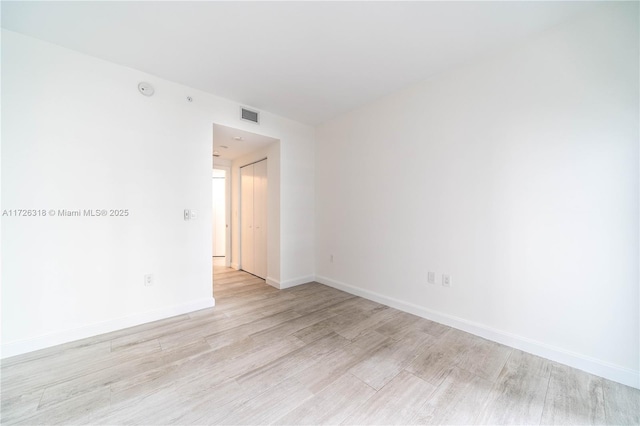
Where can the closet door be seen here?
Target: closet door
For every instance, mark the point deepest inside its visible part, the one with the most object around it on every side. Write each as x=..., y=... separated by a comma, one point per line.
x=260, y=218
x=246, y=219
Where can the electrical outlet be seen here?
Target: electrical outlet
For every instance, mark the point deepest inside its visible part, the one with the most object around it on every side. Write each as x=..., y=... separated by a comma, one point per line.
x=331, y=258
x=431, y=277
x=446, y=280
x=148, y=280
x=193, y=215
x=187, y=214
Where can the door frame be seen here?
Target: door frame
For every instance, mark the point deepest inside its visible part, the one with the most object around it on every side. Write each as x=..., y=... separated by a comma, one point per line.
x=227, y=208
x=271, y=151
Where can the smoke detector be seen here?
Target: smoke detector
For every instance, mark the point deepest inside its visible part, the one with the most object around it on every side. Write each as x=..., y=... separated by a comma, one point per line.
x=145, y=88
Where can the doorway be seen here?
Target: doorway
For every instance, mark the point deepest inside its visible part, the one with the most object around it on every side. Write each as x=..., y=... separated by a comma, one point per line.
x=236, y=148
x=221, y=215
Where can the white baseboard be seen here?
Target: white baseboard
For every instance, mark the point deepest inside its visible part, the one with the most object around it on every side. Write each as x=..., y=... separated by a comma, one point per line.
x=273, y=282
x=289, y=283
x=590, y=365
x=297, y=281
x=33, y=344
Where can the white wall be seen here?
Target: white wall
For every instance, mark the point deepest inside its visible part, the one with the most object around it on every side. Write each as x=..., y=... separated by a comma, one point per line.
x=519, y=177
x=77, y=134
x=298, y=170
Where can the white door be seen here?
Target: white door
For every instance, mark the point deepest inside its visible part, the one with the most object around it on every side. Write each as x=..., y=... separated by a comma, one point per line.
x=246, y=218
x=253, y=218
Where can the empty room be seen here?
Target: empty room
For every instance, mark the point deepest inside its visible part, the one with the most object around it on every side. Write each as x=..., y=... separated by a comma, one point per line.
x=294, y=213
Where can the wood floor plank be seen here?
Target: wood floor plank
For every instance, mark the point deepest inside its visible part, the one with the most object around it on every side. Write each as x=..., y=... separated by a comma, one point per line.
x=21, y=406
x=517, y=397
x=573, y=398
x=397, y=326
x=356, y=304
x=485, y=359
x=328, y=326
x=369, y=323
x=175, y=327
x=47, y=357
x=262, y=306
x=621, y=403
x=235, y=334
x=429, y=327
x=269, y=406
x=99, y=344
x=292, y=326
x=150, y=380
x=65, y=369
x=313, y=304
x=210, y=328
x=206, y=372
x=332, y=405
x=338, y=362
x=210, y=405
x=310, y=355
x=148, y=358
x=234, y=302
x=522, y=363
x=383, y=365
x=71, y=408
x=396, y=403
x=435, y=363
x=151, y=408
x=456, y=401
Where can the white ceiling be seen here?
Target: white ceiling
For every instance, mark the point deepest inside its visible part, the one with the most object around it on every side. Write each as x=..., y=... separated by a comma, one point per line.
x=224, y=136
x=308, y=61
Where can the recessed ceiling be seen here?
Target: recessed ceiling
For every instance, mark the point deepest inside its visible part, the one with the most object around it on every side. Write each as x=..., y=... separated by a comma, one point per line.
x=308, y=61
x=249, y=142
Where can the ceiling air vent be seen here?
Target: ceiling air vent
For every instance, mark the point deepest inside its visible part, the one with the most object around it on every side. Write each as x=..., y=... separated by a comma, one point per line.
x=248, y=115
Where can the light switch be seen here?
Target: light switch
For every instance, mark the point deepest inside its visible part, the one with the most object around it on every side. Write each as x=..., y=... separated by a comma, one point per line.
x=446, y=280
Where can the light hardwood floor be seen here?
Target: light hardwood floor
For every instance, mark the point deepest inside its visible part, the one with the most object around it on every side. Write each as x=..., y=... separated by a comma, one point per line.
x=307, y=355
